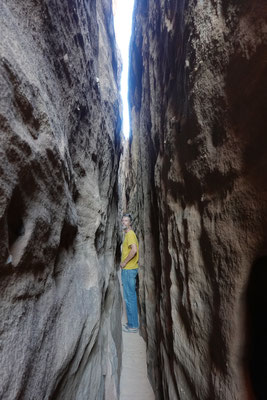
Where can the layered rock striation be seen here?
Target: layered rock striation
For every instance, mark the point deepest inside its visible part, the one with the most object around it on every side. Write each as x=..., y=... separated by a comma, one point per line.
x=196, y=183
x=60, y=145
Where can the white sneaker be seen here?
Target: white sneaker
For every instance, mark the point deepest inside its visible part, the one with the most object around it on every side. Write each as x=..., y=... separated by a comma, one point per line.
x=126, y=328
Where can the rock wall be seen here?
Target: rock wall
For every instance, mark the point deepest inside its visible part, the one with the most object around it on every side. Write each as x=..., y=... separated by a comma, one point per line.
x=60, y=124
x=196, y=183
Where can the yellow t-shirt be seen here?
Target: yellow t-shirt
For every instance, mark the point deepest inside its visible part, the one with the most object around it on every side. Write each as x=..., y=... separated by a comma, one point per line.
x=129, y=239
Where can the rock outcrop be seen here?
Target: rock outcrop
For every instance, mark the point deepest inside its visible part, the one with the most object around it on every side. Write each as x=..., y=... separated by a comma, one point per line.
x=60, y=145
x=196, y=182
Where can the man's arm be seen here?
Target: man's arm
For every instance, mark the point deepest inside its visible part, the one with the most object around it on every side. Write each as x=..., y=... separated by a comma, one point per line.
x=131, y=255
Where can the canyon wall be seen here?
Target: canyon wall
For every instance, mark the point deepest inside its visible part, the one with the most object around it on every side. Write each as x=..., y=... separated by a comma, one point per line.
x=60, y=333
x=196, y=183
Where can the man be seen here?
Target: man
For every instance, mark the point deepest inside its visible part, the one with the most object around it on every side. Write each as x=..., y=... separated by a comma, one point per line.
x=129, y=265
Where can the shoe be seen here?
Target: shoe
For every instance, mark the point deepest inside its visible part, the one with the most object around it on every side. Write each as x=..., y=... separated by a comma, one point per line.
x=126, y=328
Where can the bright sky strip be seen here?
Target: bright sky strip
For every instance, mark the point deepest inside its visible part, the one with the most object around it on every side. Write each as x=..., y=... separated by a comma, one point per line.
x=123, y=10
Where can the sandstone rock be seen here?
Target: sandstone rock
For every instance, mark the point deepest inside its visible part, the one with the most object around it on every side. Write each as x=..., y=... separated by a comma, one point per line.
x=60, y=145
x=196, y=183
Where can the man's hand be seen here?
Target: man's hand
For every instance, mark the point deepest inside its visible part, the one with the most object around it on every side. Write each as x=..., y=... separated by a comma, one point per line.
x=123, y=264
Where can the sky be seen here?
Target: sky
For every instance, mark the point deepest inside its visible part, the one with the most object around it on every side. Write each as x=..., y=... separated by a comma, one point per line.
x=123, y=25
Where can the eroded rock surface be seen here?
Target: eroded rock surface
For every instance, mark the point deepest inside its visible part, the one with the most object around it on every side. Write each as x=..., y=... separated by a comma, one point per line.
x=60, y=123
x=196, y=182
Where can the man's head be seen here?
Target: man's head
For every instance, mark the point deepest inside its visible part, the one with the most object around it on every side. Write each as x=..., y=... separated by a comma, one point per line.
x=126, y=221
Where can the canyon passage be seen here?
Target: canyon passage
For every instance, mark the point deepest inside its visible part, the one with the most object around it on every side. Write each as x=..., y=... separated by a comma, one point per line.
x=193, y=175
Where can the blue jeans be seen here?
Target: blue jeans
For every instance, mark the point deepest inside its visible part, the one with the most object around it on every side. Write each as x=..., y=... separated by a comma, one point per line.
x=128, y=278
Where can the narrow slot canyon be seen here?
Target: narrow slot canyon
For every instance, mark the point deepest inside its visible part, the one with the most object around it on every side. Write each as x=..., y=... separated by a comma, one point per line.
x=192, y=174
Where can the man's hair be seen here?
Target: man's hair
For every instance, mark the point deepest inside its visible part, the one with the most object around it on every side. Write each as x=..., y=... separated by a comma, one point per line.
x=128, y=215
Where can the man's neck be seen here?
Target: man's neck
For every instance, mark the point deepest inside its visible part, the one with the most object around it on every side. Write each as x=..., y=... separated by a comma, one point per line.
x=128, y=229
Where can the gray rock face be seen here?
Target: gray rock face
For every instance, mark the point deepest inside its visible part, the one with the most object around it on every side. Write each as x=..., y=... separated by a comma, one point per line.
x=196, y=182
x=60, y=123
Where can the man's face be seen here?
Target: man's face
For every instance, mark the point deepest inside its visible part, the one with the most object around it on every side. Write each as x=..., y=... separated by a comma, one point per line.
x=125, y=223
